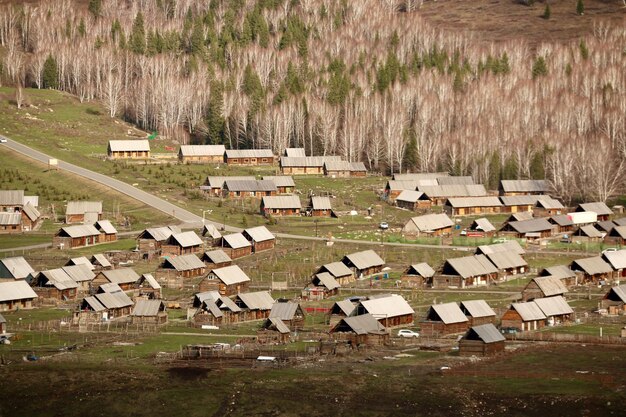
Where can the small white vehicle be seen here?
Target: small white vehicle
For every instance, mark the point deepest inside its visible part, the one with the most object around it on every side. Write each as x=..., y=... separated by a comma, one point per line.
x=384, y=225
x=3, y=140
x=607, y=250
x=409, y=334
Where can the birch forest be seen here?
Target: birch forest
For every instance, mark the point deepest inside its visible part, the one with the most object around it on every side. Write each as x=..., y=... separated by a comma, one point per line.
x=369, y=80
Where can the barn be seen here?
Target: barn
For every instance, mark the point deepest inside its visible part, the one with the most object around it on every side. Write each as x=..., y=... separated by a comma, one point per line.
x=478, y=312
x=260, y=238
x=16, y=295
x=364, y=263
x=482, y=340
x=129, y=149
x=429, y=224
x=201, y=154
x=390, y=311
x=236, y=245
x=444, y=319
x=523, y=317
x=283, y=205
x=249, y=157
x=417, y=276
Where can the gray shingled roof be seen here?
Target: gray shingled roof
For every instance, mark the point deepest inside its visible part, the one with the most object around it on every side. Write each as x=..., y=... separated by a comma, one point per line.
x=527, y=186
x=344, y=166
x=484, y=201
x=282, y=202
x=30, y=211
x=187, y=239
x=430, y=222
x=455, y=180
x=508, y=246
x=338, y=269
x=57, y=278
x=422, y=269
x=261, y=300
x=410, y=196
x=211, y=231
x=249, y=153
x=477, y=308
x=17, y=266
x=550, y=204
x=159, y=234
x=121, y=276
x=106, y=227
x=616, y=259
x=184, y=262
x=559, y=271
x=218, y=181
x=147, y=308
x=281, y=180
x=506, y=260
x=591, y=231
x=362, y=324
x=529, y=226
x=79, y=273
x=387, y=307
x=82, y=207
x=592, y=266
x=553, y=306
x=278, y=324
x=562, y=220
x=395, y=185
x=230, y=275
x=284, y=311
x=10, y=218
x=217, y=256
x=295, y=152
x=101, y=260
x=598, y=207
x=152, y=282
x=117, y=299
x=488, y=333
x=16, y=290
x=307, y=161
x=250, y=185
x=521, y=200
x=484, y=225
x=82, y=230
x=472, y=266
x=550, y=285
x=236, y=240
x=259, y=234
x=327, y=280
x=11, y=197
x=320, y=203
x=456, y=190
x=202, y=150
x=346, y=306
x=138, y=145
x=448, y=313
x=529, y=311
x=365, y=259
x=620, y=222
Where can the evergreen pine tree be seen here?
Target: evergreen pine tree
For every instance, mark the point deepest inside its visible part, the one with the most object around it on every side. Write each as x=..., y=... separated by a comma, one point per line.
x=215, y=122
x=82, y=29
x=539, y=67
x=580, y=8
x=50, y=74
x=584, y=51
x=138, y=37
x=95, y=8
x=547, y=12
x=410, y=153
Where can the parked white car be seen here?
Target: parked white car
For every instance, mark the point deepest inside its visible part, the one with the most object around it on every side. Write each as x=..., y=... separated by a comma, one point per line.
x=409, y=334
x=607, y=250
x=3, y=140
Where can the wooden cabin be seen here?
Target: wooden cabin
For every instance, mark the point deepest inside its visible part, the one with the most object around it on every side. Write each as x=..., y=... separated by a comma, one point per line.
x=11, y=223
x=527, y=228
x=339, y=271
x=412, y=200
x=467, y=271
x=617, y=260
x=249, y=157
x=16, y=295
x=236, y=245
x=556, y=309
x=587, y=233
x=255, y=305
x=540, y=287
x=149, y=312
x=364, y=263
x=83, y=212
x=594, y=270
x=523, y=317
x=614, y=301
x=248, y=189
x=320, y=207
x=201, y=154
x=390, y=311
x=429, y=225
x=129, y=149
x=466, y=206
x=508, y=263
x=108, y=233
x=71, y=237
x=601, y=209
x=184, y=266
x=229, y=280
x=214, y=185
x=125, y=278
x=344, y=169
x=260, y=238
x=182, y=244
x=284, y=205
x=305, y=165
x=148, y=287
x=548, y=207
x=482, y=340
x=323, y=285
x=284, y=183
x=54, y=284
x=394, y=188
x=211, y=235
x=562, y=223
x=212, y=309
x=520, y=203
x=444, y=319
x=417, y=276
x=291, y=314
x=478, y=312
x=81, y=274
x=216, y=259
x=151, y=240
x=616, y=236
x=360, y=330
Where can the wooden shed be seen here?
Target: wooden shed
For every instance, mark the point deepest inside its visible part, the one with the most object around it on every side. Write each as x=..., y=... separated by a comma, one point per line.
x=214, y=185
x=444, y=319
x=283, y=205
x=523, y=317
x=16, y=295
x=149, y=312
x=14, y=268
x=429, y=225
x=284, y=183
x=528, y=228
x=417, y=276
x=616, y=236
x=482, y=340
x=211, y=235
x=412, y=200
x=254, y=305
x=201, y=154
x=360, y=330
x=364, y=263
x=614, y=301
x=548, y=207
x=182, y=244
x=10, y=222
x=600, y=208
x=556, y=309
x=185, y=266
x=617, y=260
x=126, y=278
x=508, y=263
x=151, y=240
x=54, y=284
x=466, y=271
x=289, y=313
x=108, y=233
x=216, y=259
x=339, y=271
x=83, y=212
x=390, y=311
x=546, y=286
x=562, y=222
x=394, y=188
x=81, y=274
x=129, y=149
x=236, y=245
x=212, y=309
x=478, y=312
x=337, y=169
x=148, y=287
x=320, y=207
x=563, y=273
x=249, y=157
x=260, y=238
x=322, y=285
x=594, y=270
x=229, y=280
x=71, y=237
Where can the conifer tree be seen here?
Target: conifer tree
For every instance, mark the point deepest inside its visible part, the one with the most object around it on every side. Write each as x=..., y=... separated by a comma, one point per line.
x=580, y=8
x=539, y=67
x=547, y=12
x=138, y=37
x=50, y=74
x=95, y=8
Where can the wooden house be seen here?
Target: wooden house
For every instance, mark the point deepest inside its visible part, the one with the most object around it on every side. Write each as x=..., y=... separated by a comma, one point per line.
x=519, y=203
x=605, y=226
x=614, y=301
x=417, y=276
x=527, y=229
x=182, y=244
x=482, y=340
x=283, y=205
x=16, y=295
x=540, y=287
x=255, y=305
x=149, y=312
x=482, y=227
x=236, y=245
x=556, y=309
x=467, y=271
x=185, y=266
x=508, y=263
x=14, y=268
x=617, y=260
x=31, y=217
x=429, y=225
x=523, y=317
x=108, y=233
x=11, y=201
x=151, y=240
x=508, y=246
x=320, y=207
x=71, y=237
x=110, y=302
x=284, y=183
x=10, y=222
x=561, y=272
x=364, y=263
x=594, y=270
x=214, y=310
x=54, y=284
x=339, y=271
x=249, y=157
x=523, y=187
x=99, y=261
x=412, y=200
x=616, y=236
x=466, y=206
x=562, y=223
x=216, y=259
x=80, y=260
x=81, y=274
x=214, y=185
x=394, y=188
x=201, y=154
x=439, y=194
x=323, y=285
x=587, y=233
x=444, y=319
x=478, y=312
x=211, y=235
x=291, y=314
x=273, y=331
x=339, y=310
x=295, y=152
x=260, y=238
x=390, y=311
x=148, y=287
x=229, y=280
x=129, y=149
x=305, y=165
x=248, y=188
x=601, y=209
x=83, y=212
x=548, y=207
x=337, y=169
x=125, y=278
x=360, y=330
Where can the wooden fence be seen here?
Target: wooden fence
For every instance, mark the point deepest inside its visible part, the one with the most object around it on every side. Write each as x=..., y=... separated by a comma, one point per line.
x=566, y=338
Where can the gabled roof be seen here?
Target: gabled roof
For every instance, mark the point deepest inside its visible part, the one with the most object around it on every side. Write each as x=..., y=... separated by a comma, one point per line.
x=619, y=291
x=483, y=201
x=82, y=207
x=550, y=285
x=30, y=211
x=362, y=324
x=16, y=290
x=236, y=241
x=139, y=145
x=365, y=259
x=477, y=308
x=521, y=200
x=456, y=190
x=320, y=203
x=561, y=220
x=116, y=299
x=505, y=260
x=81, y=260
x=285, y=311
x=217, y=256
x=337, y=269
x=261, y=300
x=249, y=153
x=448, y=313
x=278, y=324
x=346, y=306
x=281, y=180
x=101, y=260
x=592, y=266
x=598, y=207
x=295, y=152
x=605, y=225
x=17, y=266
x=344, y=166
x=187, y=239
x=249, y=185
x=421, y=269
x=590, y=231
x=616, y=259
x=106, y=227
x=620, y=222
x=529, y=226
x=307, y=161
x=230, y=275
x=211, y=231
x=93, y=302
x=395, y=185
x=528, y=311
x=508, y=246
x=553, y=306
x=259, y=234
x=159, y=234
x=410, y=196
x=282, y=202
x=430, y=222
x=11, y=197
x=121, y=276
x=218, y=181
x=148, y=308
x=484, y=225
x=82, y=230
x=549, y=203
x=57, y=278
x=79, y=273
x=558, y=271
x=183, y=262
x=152, y=282
x=202, y=150
x=488, y=333
x=522, y=215
x=10, y=218
x=472, y=266
x=527, y=186
x=387, y=307
x=324, y=279
x=619, y=231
